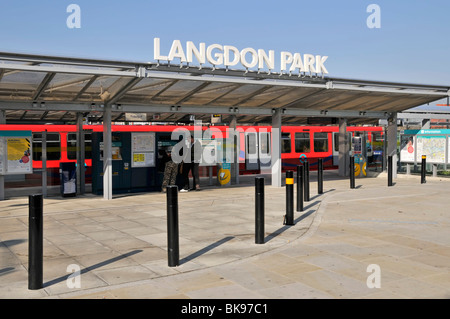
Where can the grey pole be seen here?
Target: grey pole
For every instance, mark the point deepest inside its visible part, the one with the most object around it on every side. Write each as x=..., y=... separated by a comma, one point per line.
x=352, y=172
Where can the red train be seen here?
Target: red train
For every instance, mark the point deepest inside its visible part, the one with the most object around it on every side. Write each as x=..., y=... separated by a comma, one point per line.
x=298, y=143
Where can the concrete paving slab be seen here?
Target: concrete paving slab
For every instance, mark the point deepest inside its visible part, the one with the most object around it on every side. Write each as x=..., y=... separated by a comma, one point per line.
x=121, y=245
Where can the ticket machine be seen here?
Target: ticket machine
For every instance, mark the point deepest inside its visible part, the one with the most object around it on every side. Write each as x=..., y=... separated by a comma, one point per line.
x=134, y=162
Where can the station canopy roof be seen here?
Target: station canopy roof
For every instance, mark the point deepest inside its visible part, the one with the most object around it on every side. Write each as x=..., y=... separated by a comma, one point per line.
x=54, y=89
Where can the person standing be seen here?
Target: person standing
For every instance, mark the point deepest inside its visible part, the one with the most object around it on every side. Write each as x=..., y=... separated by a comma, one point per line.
x=191, y=163
x=196, y=152
x=170, y=171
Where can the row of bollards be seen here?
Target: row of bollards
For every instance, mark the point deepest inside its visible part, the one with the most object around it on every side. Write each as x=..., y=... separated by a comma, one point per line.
x=390, y=169
x=35, y=232
x=303, y=193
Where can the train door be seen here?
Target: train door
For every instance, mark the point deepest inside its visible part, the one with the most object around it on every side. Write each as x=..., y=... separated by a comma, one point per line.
x=251, y=151
x=257, y=150
x=264, y=150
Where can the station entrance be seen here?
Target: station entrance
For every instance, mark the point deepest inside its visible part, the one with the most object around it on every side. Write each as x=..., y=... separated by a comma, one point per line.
x=59, y=90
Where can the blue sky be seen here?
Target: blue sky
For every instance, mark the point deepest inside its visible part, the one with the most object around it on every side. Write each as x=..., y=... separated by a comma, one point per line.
x=411, y=46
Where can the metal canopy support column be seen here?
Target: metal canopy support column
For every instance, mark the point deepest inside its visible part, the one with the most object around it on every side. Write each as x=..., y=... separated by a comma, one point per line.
x=391, y=138
x=80, y=155
x=107, y=154
x=2, y=177
x=44, y=163
x=276, y=148
x=235, y=142
x=344, y=148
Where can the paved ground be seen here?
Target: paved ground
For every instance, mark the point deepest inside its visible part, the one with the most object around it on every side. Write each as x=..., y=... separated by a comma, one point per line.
x=121, y=245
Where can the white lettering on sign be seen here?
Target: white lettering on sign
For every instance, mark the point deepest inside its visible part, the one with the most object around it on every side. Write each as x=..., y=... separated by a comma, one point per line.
x=249, y=58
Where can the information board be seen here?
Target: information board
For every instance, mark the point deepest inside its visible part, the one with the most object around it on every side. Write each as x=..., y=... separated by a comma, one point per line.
x=431, y=142
x=431, y=146
x=407, y=148
x=143, y=149
x=16, y=152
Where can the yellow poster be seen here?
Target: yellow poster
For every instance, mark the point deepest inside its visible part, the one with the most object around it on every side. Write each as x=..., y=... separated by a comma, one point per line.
x=18, y=151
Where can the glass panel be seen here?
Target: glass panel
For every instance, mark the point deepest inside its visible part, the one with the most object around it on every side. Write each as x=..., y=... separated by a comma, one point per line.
x=251, y=143
x=320, y=142
x=302, y=143
x=53, y=146
x=285, y=142
x=72, y=146
x=336, y=142
x=265, y=143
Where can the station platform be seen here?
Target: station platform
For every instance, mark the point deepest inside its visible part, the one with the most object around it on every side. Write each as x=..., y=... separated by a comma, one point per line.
x=120, y=245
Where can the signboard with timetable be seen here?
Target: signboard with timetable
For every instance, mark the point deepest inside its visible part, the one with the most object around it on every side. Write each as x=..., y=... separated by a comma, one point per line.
x=143, y=149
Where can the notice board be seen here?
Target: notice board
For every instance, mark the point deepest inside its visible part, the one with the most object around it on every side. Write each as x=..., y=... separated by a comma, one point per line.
x=16, y=152
x=143, y=149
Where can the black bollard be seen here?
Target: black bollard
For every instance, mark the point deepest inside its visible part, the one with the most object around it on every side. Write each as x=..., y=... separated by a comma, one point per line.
x=300, y=174
x=172, y=226
x=352, y=172
x=390, y=168
x=320, y=176
x=259, y=210
x=289, y=198
x=35, y=242
x=306, y=179
x=423, y=170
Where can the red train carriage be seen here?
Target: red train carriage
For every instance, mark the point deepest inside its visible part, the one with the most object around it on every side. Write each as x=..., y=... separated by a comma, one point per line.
x=301, y=143
x=298, y=144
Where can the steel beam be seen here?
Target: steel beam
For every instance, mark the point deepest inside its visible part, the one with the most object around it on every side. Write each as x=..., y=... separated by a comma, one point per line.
x=81, y=92
x=424, y=115
x=202, y=109
x=44, y=83
x=66, y=70
x=192, y=92
x=122, y=91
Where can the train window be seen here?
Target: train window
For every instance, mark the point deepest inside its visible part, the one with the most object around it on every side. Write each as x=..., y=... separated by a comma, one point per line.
x=302, y=143
x=264, y=142
x=53, y=146
x=320, y=142
x=251, y=143
x=336, y=142
x=72, y=146
x=285, y=142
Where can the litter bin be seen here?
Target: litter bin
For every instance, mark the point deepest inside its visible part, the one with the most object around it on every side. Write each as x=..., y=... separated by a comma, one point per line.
x=68, y=176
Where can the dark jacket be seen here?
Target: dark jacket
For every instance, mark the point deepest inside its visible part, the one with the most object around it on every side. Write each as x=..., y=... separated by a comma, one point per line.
x=196, y=151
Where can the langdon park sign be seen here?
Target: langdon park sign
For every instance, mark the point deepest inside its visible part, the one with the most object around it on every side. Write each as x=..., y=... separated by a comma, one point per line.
x=249, y=58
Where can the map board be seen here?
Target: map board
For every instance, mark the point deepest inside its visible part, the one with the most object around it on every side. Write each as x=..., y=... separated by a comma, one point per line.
x=432, y=143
